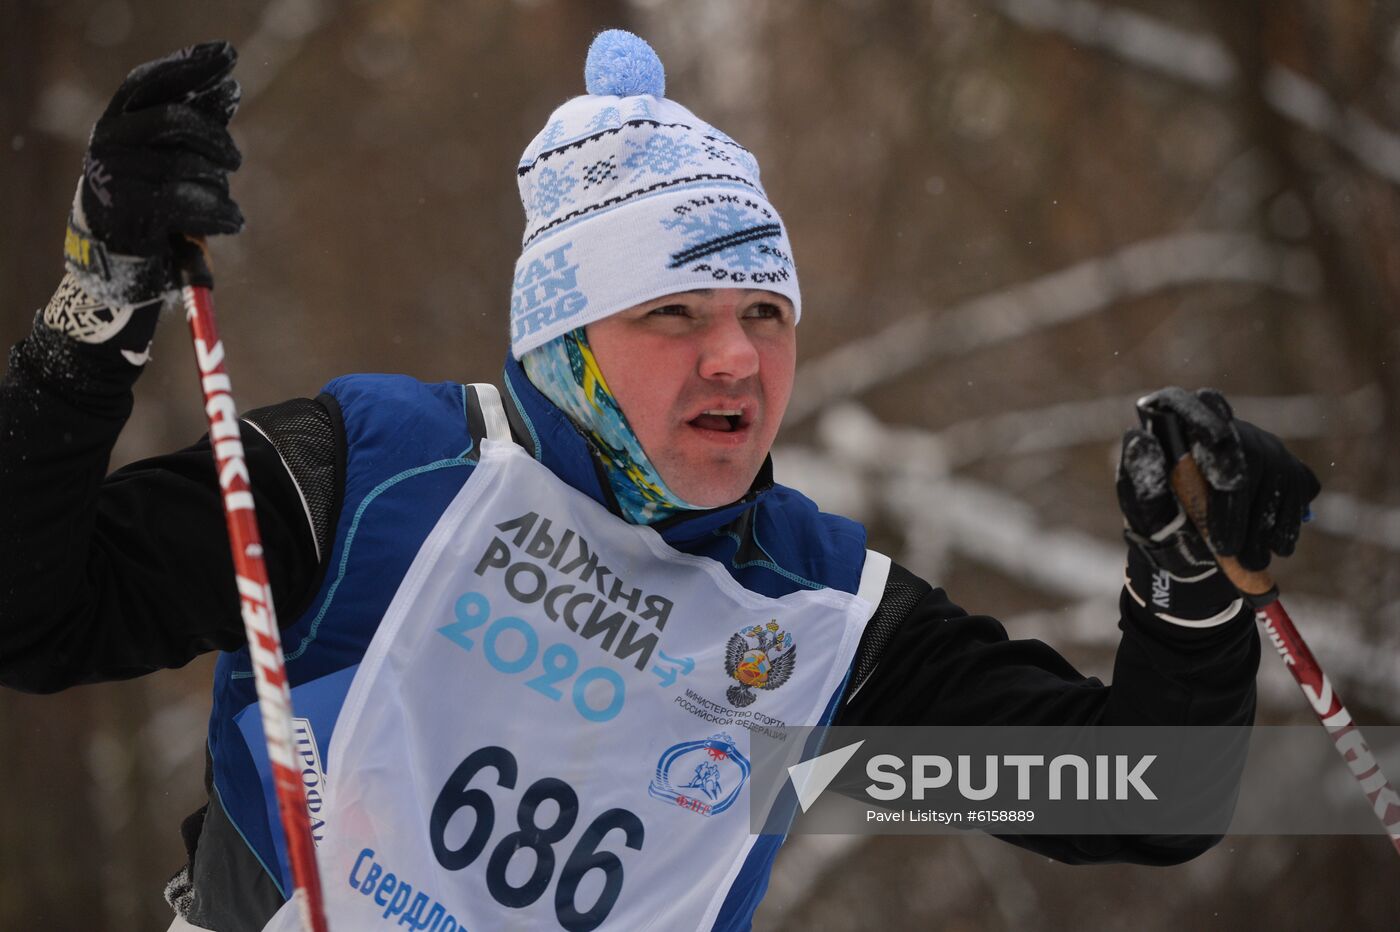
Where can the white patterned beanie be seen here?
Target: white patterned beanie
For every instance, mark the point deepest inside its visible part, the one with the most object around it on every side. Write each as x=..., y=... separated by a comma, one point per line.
x=629, y=196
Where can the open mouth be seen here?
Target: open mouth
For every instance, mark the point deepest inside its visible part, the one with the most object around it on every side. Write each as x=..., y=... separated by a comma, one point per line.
x=724, y=420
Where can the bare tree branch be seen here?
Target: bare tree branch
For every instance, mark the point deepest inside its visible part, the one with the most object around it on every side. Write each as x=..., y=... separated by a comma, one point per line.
x=1072, y=293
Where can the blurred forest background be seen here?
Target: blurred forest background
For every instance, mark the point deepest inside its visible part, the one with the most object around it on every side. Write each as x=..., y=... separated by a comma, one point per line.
x=1011, y=218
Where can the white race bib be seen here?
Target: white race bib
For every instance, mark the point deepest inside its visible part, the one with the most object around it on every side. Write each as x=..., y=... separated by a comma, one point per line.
x=551, y=727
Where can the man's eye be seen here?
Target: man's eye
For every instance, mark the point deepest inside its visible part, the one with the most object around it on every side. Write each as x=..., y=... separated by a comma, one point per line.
x=669, y=310
x=765, y=311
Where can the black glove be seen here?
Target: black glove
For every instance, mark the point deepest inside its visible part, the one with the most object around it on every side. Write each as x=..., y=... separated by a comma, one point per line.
x=1171, y=572
x=157, y=165
x=1259, y=492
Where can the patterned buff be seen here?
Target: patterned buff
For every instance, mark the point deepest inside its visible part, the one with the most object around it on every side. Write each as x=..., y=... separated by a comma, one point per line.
x=565, y=371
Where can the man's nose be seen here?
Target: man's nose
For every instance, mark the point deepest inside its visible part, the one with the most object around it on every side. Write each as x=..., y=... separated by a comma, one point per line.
x=728, y=351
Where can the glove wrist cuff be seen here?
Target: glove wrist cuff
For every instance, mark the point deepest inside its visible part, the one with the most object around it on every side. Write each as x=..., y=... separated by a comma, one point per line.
x=118, y=281
x=77, y=316
x=1203, y=602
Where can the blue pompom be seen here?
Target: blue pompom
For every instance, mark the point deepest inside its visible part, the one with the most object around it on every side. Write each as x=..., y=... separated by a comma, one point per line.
x=623, y=65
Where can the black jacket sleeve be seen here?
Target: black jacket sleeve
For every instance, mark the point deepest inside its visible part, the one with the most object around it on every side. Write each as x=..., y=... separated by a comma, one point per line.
x=104, y=579
x=942, y=666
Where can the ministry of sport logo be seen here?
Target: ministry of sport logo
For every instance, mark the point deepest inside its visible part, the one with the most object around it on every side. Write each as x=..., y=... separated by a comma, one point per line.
x=703, y=777
x=760, y=657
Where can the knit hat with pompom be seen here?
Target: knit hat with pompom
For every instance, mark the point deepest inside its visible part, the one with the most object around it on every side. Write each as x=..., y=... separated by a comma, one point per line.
x=629, y=196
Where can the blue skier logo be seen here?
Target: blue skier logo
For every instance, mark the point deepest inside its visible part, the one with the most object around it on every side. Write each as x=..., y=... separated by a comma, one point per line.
x=708, y=766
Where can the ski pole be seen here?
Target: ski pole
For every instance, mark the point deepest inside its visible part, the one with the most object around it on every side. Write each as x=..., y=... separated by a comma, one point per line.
x=1261, y=594
x=259, y=618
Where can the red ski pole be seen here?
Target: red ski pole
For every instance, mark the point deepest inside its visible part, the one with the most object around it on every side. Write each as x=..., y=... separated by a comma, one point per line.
x=259, y=619
x=1259, y=591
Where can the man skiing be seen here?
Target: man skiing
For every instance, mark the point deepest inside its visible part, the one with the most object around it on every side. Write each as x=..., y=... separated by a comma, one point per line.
x=520, y=600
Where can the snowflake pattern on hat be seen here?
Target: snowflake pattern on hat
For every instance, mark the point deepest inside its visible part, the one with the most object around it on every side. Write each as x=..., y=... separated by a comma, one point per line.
x=741, y=235
x=552, y=190
x=660, y=155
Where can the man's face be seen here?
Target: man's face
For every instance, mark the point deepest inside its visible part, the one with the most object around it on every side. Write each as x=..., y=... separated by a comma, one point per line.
x=703, y=378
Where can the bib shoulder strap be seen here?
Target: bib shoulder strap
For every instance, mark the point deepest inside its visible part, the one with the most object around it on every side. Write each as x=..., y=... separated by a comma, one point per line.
x=873, y=576
x=487, y=415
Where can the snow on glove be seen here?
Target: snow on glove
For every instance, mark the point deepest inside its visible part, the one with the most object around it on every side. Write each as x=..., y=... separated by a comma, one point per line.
x=1156, y=524
x=1171, y=571
x=157, y=166
x=1259, y=492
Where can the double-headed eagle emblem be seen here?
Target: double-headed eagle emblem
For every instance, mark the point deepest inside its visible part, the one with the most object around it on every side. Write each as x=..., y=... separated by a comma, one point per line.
x=761, y=657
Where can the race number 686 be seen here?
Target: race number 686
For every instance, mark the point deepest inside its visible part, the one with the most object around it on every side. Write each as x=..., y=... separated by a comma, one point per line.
x=539, y=839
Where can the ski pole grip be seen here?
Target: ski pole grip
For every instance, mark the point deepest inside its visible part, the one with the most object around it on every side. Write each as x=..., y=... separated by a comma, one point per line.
x=1192, y=491
x=192, y=261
